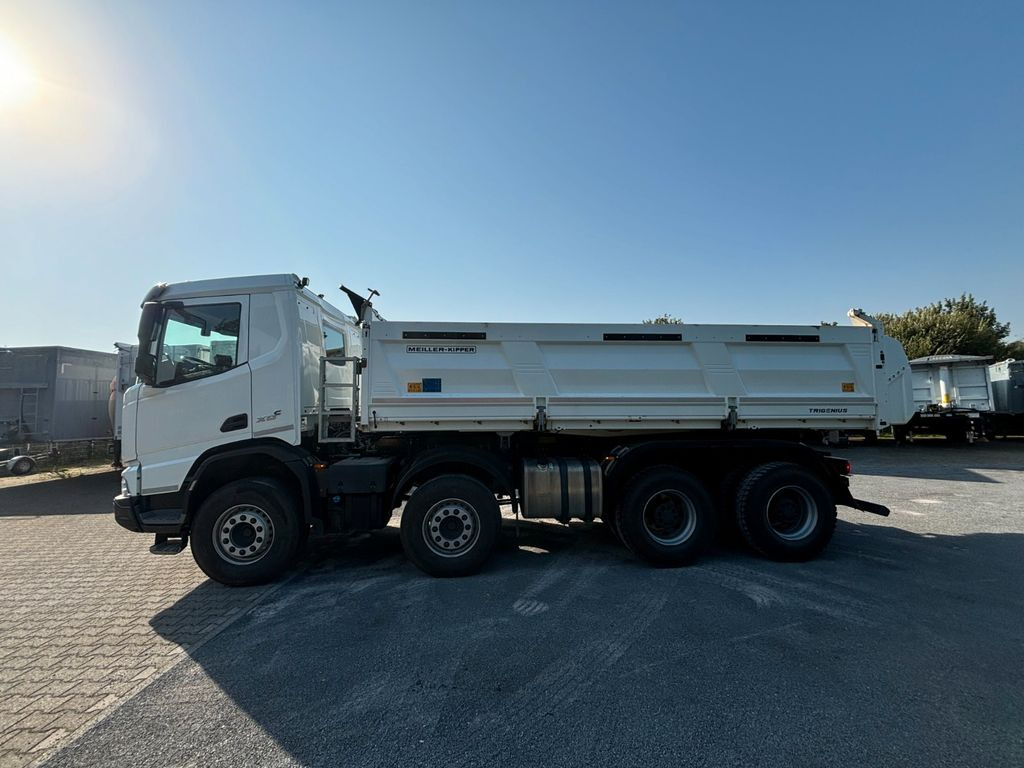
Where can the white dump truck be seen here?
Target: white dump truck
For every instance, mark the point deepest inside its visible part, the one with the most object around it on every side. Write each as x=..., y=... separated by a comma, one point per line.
x=263, y=413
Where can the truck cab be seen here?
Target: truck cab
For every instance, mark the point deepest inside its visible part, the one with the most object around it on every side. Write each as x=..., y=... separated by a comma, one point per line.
x=227, y=363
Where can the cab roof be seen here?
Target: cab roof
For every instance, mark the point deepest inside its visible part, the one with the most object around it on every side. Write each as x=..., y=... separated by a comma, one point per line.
x=247, y=284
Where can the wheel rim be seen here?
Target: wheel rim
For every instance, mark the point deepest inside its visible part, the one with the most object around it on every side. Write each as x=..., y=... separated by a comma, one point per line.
x=22, y=467
x=791, y=513
x=670, y=518
x=451, y=527
x=243, y=534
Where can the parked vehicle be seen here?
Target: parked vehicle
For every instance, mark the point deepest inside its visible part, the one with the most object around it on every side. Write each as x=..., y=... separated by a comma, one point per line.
x=124, y=377
x=53, y=394
x=263, y=412
x=1007, y=379
x=952, y=397
x=16, y=463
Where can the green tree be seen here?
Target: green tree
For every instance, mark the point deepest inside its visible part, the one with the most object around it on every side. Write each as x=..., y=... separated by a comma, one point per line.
x=1015, y=349
x=665, y=319
x=963, y=326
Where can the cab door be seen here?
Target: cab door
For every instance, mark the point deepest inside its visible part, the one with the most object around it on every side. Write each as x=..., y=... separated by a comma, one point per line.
x=201, y=396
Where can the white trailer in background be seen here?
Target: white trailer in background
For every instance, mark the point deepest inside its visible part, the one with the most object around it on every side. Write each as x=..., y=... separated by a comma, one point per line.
x=123, y=378
x=263, y=412
x=952, y=397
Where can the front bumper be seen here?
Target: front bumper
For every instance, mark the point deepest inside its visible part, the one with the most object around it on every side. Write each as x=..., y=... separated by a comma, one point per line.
x=163, y=513
x=124, y=513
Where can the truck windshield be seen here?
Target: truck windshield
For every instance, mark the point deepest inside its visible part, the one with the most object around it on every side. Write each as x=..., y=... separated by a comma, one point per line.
x=196, y=342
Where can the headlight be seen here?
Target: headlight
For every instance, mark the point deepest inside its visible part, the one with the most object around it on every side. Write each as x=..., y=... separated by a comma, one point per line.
x=124, y=488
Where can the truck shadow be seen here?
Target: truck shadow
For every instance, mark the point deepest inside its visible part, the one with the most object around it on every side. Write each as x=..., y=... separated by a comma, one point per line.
x=937, y=460
x=83, y=495
x=362, y=660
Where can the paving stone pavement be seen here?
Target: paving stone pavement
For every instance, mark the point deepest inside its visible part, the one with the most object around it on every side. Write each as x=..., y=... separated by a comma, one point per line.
x=86, y=612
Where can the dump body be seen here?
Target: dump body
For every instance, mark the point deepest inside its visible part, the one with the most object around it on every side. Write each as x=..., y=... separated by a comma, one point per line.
x=952, y=381
x=587, y=378
x=952, y=396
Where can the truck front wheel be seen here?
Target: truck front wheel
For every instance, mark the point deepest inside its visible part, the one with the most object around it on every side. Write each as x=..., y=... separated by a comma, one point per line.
x=785, y=512
x=610, y=518
x=450, y=525
x=246, y=532
x=667, y=516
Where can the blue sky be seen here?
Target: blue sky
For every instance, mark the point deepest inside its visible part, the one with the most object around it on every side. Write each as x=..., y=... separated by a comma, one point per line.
x=552, y=161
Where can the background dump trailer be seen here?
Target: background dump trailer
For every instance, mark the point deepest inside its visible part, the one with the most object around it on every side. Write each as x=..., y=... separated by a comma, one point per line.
x=952, y=396
x=53, y=394
x=1007, y=380
x=263, y=413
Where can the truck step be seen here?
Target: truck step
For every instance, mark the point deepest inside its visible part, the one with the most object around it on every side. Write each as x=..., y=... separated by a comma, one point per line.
x=168, y=545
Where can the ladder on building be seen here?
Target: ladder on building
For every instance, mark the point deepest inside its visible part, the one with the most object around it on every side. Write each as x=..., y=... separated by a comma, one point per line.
x=29, y=411
x=338, y=425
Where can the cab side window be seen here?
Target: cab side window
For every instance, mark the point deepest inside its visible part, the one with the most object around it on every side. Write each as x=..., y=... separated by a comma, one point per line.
x=198, y=341
x=334, y=342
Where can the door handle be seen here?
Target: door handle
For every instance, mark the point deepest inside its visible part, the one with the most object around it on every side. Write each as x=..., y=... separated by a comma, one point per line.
x=236, y=422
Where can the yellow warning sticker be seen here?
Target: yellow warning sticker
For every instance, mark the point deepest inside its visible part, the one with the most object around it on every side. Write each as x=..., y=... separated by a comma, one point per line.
x=847, y=386
x=415, y=386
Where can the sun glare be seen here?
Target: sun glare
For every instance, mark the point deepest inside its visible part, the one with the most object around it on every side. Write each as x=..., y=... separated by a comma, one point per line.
x=17, y=80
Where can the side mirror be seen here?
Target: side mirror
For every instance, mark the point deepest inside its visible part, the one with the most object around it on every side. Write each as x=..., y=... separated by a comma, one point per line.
x=145, y=363
x=145, y=368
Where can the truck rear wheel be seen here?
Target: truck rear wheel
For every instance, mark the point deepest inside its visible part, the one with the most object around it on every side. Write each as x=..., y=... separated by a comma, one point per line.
x=246, y=533
x=450, y=525
x=667, y=516
x=785, y=512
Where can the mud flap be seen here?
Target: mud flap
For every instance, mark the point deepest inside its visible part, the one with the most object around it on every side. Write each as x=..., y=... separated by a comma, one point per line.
x=865, y=506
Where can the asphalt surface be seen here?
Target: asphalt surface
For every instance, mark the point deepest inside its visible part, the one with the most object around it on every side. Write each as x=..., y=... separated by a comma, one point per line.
x=902, y=645
x=78, y=601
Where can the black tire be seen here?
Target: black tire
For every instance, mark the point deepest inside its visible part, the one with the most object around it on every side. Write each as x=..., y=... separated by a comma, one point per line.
x=611, y=525
x=618, y=529
x=726, y=530
x=611, y=521
x=785, y=512
x=23, y=466
x=245, y=512
x=468, y=523
x=666, y=517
